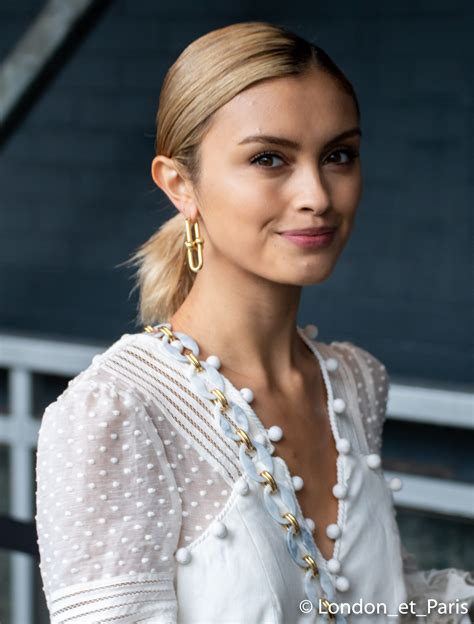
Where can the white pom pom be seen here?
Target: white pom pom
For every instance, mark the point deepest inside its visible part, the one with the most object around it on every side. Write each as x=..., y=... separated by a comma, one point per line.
x=311, y=331
x=395, y=484
x=342, y=584
x=247, y=394
x=183, y=555
x=298, y=482
x=333, y=531
x=343, y=446
x=339, y=490
x=219, y=529
x=373, y=461
x=242, y=487
x=275, y=433
x=332, y=364
x=334, y=566
x=214, y=361
x=338, y=405
x=310, y=524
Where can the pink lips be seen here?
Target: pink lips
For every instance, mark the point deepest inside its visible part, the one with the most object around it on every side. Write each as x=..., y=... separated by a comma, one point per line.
x=322, y=237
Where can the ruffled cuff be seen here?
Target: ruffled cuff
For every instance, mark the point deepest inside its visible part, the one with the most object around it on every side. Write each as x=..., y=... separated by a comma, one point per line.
x=445, y=596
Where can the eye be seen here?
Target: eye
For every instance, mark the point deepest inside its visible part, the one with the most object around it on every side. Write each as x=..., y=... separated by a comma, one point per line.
x=351, y=155
x=265, y=155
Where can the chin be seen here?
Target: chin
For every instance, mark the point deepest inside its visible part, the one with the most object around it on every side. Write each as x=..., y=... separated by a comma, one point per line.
x=316, y=271
x=311, y=280
x=308, y=278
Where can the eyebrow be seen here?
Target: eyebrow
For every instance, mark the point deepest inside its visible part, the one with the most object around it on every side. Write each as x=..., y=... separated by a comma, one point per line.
x=284, y=142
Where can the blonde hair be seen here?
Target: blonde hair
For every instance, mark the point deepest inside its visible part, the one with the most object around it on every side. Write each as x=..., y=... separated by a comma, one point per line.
x=209, y=73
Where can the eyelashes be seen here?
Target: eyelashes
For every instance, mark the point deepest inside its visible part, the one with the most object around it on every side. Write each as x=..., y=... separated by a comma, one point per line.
x=258, y=157
x=351, y=153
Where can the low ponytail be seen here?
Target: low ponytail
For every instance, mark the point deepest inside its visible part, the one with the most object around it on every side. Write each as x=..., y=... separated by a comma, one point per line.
x=163, y=276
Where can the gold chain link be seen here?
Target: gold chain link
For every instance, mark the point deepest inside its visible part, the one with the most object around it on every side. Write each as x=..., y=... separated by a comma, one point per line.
x=312, y=564
x=292, y=521
x=325, y=602
x=270, y=480
x=194, y=361
x=221, y=398
x=245, y=439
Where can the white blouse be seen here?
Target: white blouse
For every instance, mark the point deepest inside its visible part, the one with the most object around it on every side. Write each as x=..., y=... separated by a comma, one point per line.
x=152, y=509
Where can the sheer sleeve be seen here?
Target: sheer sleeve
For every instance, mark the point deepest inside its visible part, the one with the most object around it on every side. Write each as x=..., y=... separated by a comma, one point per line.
x=108, y=510
x=443, y=587
x=373, y=383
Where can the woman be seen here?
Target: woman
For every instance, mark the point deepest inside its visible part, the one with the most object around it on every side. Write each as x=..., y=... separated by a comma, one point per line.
x=222, y=465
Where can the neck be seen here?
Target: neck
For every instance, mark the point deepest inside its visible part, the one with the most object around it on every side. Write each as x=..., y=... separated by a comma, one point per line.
x=250, y=324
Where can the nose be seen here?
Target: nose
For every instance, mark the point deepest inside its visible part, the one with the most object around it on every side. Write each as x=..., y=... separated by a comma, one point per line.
x=311, y=189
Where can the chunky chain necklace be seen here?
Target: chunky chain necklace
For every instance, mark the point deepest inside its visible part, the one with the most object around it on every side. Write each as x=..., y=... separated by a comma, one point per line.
x=277, y=496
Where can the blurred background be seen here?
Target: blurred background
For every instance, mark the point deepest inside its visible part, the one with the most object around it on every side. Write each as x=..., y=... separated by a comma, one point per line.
x=79, y=88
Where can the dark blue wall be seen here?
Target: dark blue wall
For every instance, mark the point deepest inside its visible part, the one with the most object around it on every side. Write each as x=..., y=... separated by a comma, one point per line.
x=77, y=197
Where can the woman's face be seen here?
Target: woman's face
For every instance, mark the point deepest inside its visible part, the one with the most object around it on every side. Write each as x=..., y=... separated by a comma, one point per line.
x=246, y=198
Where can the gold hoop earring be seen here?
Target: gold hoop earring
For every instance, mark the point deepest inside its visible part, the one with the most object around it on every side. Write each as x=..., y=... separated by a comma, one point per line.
x=193, y=244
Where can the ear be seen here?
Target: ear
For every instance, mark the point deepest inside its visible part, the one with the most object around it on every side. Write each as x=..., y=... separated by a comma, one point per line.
x=169, y=177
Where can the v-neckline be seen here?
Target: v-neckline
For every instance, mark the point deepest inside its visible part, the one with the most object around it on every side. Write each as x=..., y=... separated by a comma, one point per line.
x=335, y=435
x=259, y=426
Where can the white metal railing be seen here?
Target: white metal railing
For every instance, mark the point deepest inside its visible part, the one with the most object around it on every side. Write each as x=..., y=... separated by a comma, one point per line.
x=439, y=495
x=434, y=406
x=431, y=405
x=24, y=356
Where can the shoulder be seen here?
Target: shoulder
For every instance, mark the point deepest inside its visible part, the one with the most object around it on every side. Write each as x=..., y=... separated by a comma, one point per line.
x=99, y=419
x=97, y=389
x=116, y=348
x=112, y=362
x=358, y=356
x=366, y=367
x=126, y=379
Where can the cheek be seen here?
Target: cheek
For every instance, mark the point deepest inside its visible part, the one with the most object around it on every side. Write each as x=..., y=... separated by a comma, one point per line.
x=238, y=207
